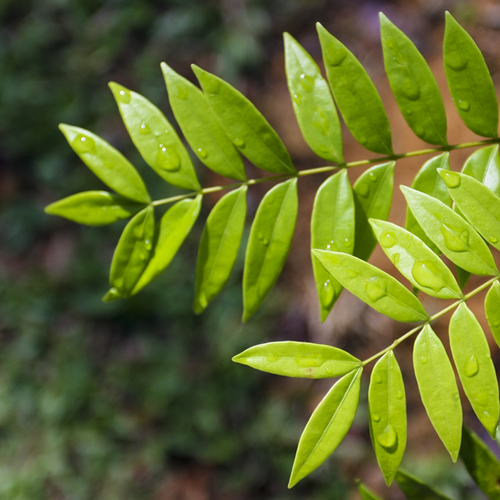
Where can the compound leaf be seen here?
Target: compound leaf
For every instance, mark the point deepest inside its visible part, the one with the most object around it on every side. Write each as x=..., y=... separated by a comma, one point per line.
x=492, y=309
x=414, y=489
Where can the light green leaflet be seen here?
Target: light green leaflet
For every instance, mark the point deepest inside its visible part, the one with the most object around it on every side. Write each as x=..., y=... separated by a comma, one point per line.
x=155, y=138
x=132, y=252
x=269, y=243
x=387, y=403
x=438, y=389
x=416, y=261
x=312, y=102
x=492, y=309
x=484, y=166
x=373, y=198
x=366, y=494
x=332, y=228
x=219, y=246
x=414, y=489
x=201, y=128
x=373, y=286
x=355, y=95
x=469, y=81
x=106, y=162
x=481, y=464
x=456, y=238
x=172, y=230
x=298, y=359
x=429, y=181
x=413, y=85
x=472, y=357
x=327, y=426
x=244, y=124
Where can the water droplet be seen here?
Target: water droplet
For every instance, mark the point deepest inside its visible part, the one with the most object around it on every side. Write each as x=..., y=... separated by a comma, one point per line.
x=409, y=112
x=239, y=143
x=347, y=242
x=167, y=158
x=328, y=369
x=395, y=258
x=388, y=239
x=336, y=55
x=271, y=359
x=202, y=153
x=83, y=144
x=308, y=361
x=144, y=129
x=266, y=242
x=139, y=231
x=372, y=176
x=464, y=105
x=376, y=288
x=423, y=359
x=324, y=149
x=410, y=89
x=425, y=273
x=182, y=93
x=297, y=99
x=260, y=236
x=419, y=130
x=307, y=82
x=471, y=366
x=493, y=239
x=362, y=140
x=456, y=240
x=363, y=189
x=332, y=246
x=400, y=395
x=212, y=85
x=124, y=96
x=327, y=294
x=378, y=379
x=456, y=61
x=388, y=438
x=452, y=179
x=148, y=245
x=376, y=417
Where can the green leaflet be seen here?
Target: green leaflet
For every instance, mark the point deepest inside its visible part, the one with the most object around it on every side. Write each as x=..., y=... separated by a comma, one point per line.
x=387, y=402
x=327, y=426
x=373, y=286
x=106, y=162
x=312, y=102
x=414, y=489
x=171, y=231
x=355, y=95
x=469, y=81
x=484, y=166
x=492, y=309
x=481, y=464
x=457, y=239
x=366, y=494
x=372, y=198
x=299, y=359
x=413, y=85
x=472, y=357
x=269, y=243
x=244, y=124
x=429, y=181
x=416, y=261
x=332, y=228
x=219, y=246
x=438, y=389
x=132, y=252
x=201, y=127
x=155, y=138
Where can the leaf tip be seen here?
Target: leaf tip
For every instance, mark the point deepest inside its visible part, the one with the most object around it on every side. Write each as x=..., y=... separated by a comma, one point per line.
x=111, y=295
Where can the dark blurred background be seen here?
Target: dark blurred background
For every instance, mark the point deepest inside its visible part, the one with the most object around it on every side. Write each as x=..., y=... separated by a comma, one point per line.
x=138, y=399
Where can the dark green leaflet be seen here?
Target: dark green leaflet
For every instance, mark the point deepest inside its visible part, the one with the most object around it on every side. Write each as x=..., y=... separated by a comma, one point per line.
x=171, y=231
x=415, y=261
x=492, y=309
x=372, y=198
x=355, y=95
x=373, y=286
x=469, y=81
x=201, y=127
x=312, y=102
x=472, y=357
x=332, y=228
x=456, y=238
x=132, y=252
x=244, y=124
x=327, y=426
x=414, y=489
x=269, y=243
x=94, y=208
x=106, y=162
x=413, y=85
x=219, y=246
x=366, y=494
x=299, y=359
x=387, y=402
x=438, y=389
x=429, y=181
x=155, y=138
x=481, y=464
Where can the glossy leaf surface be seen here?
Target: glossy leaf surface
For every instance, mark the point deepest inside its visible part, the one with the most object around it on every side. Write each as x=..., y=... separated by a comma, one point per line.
x=469, y=81
x=201, y=127
x=387, y=403
x=472, y=357
x=414, y=489
x=299, y=359
x=373, y=286
x=312, y=102
x=106, y=162
x=492, y=309
x=155, y=138
x=327, y=426
x=355, y=95
x=219, y=246
x=269, y=243
x=413, y=85
x=372, y=198
x=244, y=124
x=366, y=494
x=438, y=389
x=332, y=228
x=484, y=166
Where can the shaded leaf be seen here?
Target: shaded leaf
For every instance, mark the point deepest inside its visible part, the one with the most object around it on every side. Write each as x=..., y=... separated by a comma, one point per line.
x=366, y=494
x=484, y=166
x=492, y=309
x=414, y=489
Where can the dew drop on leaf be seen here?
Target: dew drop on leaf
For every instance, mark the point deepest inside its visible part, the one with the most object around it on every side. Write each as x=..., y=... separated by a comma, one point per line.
x=464, y=105
x=308, y=361
x=307, y=82
x=423, y=359
x=456, y=62
x=336, y=55
x=410, y=90
x=124, y=96
x=455, y=240
x=139, y=231
x=388, y=438
x=400, y=395
x=395, y=258
x=376, y=288
x=378, y=379
x=324, y=149
x=239, y=143
x=148, y=245
x=212, y=86
x=260, y=236
x=297, y=99
x=271, y=359
x=202, y=153
x=471, y=366
x=167, y=158
x=144, y=129
x=493, y=239
x=452, y=179
x=388, y=239
x=327, y=293
x=363, y=189
x=425, y=273
x=376, y=417
x=83, y=144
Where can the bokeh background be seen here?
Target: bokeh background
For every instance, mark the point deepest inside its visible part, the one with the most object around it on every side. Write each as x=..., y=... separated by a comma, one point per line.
x=139, y=399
